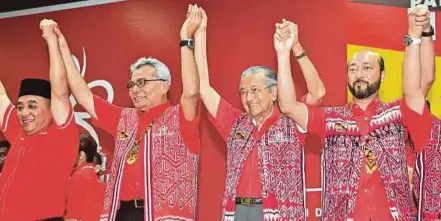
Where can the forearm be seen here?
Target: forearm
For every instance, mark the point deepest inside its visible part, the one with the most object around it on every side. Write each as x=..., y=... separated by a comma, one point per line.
x=412, y=79
x=286, y=92
x=4, y=102
x=57, y=70
x=190, y=78
x=78, y=86
x=316, y=88
x=427, y=60
x=285, y=85
x=209, y=96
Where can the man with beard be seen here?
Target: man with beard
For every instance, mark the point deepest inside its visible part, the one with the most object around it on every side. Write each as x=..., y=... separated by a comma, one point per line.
x=364, y=156
x=4, y=147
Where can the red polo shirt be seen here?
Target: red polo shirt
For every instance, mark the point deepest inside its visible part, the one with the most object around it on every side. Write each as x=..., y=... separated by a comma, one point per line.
x=36, y=173
x=226, y=116
x=85, y=196
x=371, y=201
x=132, y=184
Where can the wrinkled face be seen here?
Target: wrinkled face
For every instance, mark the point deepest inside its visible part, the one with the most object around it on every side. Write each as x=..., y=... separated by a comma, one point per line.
x=364, y=75
x=145, y=88
x=257, y=98
x=34, y=113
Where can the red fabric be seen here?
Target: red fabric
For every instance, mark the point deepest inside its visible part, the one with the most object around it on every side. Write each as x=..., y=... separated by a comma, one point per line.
x=249, y=182
x=132, y=184
x=371, y=202
x=85, y=196
x=36, y=173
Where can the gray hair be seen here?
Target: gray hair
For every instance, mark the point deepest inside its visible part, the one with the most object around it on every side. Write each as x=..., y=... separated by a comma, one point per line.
x=162, y=71
x=270, y=75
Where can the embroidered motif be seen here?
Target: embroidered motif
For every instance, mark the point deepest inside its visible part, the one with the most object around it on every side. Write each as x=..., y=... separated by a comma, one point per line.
x=427, y=176
x=173, y=181
x=344, y=153
x=280, y=167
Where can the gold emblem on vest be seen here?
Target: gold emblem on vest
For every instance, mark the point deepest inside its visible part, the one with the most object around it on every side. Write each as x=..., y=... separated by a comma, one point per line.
x=134, y=151
x=371, y=164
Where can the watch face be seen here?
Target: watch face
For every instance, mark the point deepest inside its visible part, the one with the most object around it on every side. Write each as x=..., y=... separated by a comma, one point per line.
x=407, y=40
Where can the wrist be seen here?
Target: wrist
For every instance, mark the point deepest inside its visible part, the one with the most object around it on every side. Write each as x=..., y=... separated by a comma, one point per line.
x=185, y=36
x=297, y=49
x=414, y=34
x=283, y=53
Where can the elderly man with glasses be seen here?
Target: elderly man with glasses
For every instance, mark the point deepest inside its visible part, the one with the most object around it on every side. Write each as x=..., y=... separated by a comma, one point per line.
x=155, y=162
x=265, y=161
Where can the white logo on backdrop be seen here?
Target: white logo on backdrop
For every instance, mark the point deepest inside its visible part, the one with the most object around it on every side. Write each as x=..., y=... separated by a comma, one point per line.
x=81, y=117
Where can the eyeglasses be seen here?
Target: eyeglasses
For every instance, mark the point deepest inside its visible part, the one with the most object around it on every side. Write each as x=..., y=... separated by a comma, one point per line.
x=254, y=91
x=141, y=83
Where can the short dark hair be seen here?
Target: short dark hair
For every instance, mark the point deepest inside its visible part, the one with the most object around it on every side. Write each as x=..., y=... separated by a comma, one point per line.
x=381, y=62
x=5, y=144
x=97, y=159
x=88, y=146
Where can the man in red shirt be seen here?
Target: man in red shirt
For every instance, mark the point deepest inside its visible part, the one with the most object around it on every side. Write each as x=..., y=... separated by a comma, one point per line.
x=364, y=156
x=85, y=196
x=44, y=144
x=265, y=164
x=156, y=154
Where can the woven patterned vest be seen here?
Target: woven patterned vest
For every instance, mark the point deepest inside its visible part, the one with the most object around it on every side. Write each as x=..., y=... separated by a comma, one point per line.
x=281, y=168
x=427, y=176
x=171, y=169
x=344, y=152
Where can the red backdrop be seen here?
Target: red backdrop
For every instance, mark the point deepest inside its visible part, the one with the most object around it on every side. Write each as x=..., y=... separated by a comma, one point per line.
x=239, y=35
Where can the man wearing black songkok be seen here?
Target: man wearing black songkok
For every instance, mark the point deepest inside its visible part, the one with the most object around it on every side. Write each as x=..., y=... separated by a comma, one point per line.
x=44, y=143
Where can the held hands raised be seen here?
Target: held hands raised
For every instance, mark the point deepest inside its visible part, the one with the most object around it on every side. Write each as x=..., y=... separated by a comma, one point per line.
x=418, y=20
x=286, y=36
x=191, y=23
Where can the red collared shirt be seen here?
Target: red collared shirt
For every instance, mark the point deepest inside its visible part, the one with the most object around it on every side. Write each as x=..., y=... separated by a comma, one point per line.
x=226, y=116
x=36, y=173
x=132, y=184
x=85, y=195
x=371, y=202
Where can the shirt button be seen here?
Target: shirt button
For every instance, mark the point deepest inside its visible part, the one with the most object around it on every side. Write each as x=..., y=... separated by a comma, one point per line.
x=365, y=118
x=365, y=190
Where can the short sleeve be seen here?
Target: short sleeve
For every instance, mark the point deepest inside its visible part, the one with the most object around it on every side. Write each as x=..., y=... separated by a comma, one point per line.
x=108, y=115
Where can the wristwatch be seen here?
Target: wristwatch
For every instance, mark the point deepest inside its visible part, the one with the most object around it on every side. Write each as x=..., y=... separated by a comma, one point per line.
x=428, y=34
x=411, y=41
x=189, y=43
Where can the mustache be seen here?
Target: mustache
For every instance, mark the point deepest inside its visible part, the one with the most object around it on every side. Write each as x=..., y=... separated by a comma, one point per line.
x=360, y=81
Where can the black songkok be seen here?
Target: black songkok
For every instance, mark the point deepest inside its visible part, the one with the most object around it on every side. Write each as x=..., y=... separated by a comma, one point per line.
x=38, y=87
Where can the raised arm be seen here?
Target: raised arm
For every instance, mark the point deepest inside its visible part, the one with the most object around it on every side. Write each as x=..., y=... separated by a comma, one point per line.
x=60, y=104
x=4, y=102
x=284, y=39
x=413, y=93
x=77, y=85
x=316, y=88
x=190, y=78
x=209, y=96
x=427, y=60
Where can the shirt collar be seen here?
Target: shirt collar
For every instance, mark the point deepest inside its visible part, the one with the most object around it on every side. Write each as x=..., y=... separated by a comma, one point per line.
x=370, y=109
